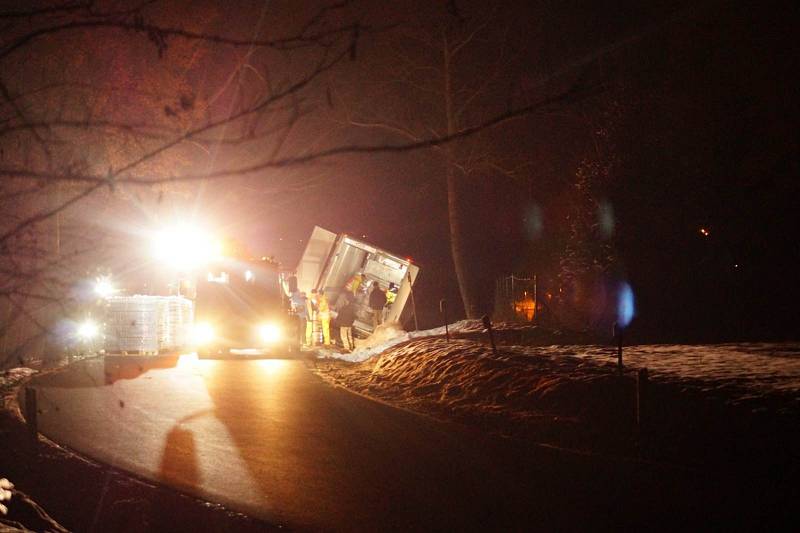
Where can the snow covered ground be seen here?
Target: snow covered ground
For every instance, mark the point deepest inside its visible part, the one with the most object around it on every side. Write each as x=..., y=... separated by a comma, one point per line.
x=743, y=369
x=391, y=334
x=759, y=367
x=543, y=385
x=12, y=376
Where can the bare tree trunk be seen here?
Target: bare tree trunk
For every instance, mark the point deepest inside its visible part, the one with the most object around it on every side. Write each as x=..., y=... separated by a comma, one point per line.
x=458, y=246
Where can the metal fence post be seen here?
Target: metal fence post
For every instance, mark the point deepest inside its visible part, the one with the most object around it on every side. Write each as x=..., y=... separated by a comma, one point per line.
x=31, y=412
x=642, y=382
x=443, y=310
x=618, y=337
x=488, y=325
x=413, y=303
x=642, y=386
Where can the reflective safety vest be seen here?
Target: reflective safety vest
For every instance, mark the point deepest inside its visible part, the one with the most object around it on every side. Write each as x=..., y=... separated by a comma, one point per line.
x=391, y=296
x=322, y=307
x=354, y=283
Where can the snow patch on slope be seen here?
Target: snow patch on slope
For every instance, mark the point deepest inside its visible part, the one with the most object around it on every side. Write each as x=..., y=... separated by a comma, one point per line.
x=392, y=333
x=15, y=375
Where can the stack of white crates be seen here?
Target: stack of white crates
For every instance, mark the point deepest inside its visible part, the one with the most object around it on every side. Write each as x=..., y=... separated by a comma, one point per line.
x=145, y=325
x=175, y=322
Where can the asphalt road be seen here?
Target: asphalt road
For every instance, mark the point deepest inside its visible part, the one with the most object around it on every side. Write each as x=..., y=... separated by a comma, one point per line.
x=273, y=440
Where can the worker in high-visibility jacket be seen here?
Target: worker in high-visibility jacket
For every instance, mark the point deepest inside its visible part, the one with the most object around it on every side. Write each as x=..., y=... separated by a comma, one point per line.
x=311, y=317
x=391, y=296
x=324, y=314
x=354, y=283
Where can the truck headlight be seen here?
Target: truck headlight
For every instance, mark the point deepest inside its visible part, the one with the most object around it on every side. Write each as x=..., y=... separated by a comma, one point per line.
x=202, y=333
x=88, y=330
x=269, y=333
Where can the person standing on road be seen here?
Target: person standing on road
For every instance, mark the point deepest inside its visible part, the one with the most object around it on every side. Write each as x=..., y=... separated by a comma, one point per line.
x=324, y=313
x=341, y=300
x=377, y=300
x=345, y=319
x=300, y=309
x=311, y=318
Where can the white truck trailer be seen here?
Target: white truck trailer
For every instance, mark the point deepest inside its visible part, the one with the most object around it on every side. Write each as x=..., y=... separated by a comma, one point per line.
x=332, y=259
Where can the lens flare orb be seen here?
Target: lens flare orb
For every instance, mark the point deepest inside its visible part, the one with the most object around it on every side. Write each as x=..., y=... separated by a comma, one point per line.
x=625, y=305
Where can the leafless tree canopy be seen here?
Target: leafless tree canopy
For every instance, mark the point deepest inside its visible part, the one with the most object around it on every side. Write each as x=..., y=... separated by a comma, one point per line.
x=104, y=104
x=109, y=106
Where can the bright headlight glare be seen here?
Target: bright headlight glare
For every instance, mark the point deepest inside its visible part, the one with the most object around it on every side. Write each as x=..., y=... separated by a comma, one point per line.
x=202, y=333
x=103, y=287
x=184, y=247
x=88, y=330
x=269, y=333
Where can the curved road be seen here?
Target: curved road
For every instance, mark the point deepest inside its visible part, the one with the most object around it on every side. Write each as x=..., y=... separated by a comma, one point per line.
x=273, y=440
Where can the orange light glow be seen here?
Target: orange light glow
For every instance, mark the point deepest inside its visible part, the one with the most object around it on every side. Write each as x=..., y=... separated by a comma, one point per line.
x=525, y=307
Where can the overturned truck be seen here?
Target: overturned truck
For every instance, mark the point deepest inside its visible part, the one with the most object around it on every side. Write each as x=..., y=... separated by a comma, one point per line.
x=331, y=261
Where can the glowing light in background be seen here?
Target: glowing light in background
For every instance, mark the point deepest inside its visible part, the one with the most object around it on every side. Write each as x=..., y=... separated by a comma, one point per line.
x=88, y=330
x=605, y=218
x=533, y=220
x=184, y=247
x=103, y=287
x=187, y=361
x=625, y=305
x=269, y=333
x=704, y=232
x=202, y=334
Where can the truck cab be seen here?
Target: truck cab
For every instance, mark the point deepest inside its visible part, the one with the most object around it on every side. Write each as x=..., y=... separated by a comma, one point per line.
x=241, y=308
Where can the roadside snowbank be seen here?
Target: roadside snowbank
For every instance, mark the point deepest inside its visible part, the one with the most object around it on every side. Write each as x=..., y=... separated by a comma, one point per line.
x=738, y=371
x=465, y=374
x=14, y=375
x=392, y=333
x=571, y=395
x=383, y=338
x=9, y=378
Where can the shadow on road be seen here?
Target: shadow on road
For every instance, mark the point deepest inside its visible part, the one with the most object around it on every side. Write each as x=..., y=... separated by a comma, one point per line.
x=322, y=458
x=179, y=461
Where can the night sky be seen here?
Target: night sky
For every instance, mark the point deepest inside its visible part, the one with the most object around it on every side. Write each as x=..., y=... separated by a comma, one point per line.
x=703, y=138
